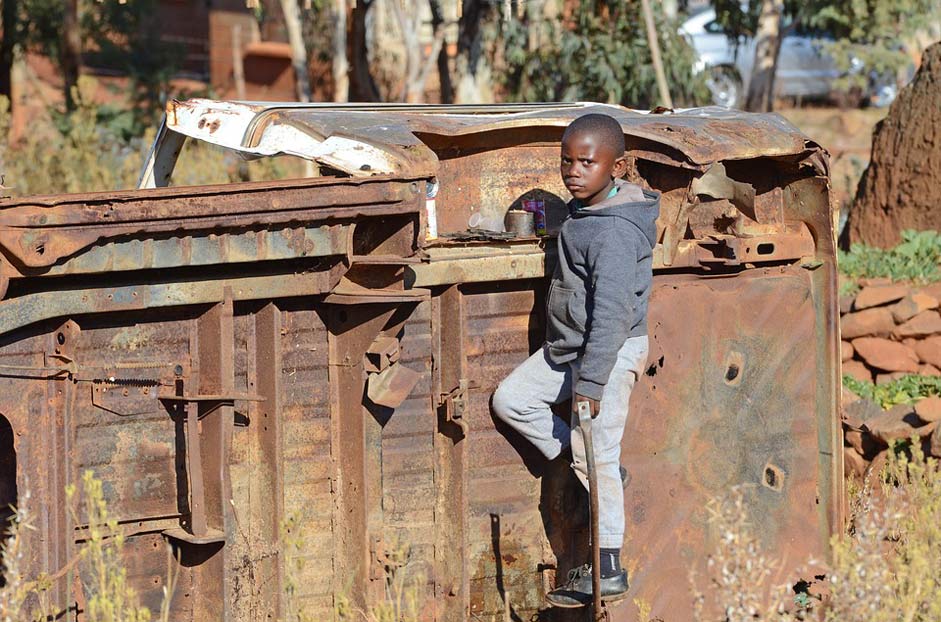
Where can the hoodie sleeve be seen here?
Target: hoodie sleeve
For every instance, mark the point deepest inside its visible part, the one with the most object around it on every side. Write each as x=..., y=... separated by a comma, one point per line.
x=611, y=278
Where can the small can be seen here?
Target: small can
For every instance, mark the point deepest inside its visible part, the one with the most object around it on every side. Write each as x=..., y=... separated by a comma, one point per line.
x=538, y=208
x=520, y=222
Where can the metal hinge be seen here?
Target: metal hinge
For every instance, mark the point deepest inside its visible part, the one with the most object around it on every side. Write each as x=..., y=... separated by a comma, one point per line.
x=455, y=403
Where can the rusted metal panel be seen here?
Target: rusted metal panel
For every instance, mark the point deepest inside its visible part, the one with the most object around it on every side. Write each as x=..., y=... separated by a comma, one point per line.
x=506, y=553
x=308, y=459
x=276, y=305
x=721, y=407
x=404, y=464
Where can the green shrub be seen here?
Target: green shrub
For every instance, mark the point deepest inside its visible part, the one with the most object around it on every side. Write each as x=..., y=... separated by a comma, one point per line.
x=917, y=259
x=599, y=54
x=905, y=390
x=88, y=151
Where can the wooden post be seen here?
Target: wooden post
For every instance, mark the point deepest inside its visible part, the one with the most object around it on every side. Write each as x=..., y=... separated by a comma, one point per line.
x=654, y=43
x=292, y=20
x=238, y=64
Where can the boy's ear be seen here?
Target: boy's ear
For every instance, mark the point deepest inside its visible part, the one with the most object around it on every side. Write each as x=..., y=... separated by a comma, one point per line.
x=620, y=167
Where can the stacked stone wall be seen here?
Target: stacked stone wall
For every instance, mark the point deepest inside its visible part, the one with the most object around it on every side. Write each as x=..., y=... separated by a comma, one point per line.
x=889, y=330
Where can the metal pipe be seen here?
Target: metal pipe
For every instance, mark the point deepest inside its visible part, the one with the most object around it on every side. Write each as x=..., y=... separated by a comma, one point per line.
x=584, y=424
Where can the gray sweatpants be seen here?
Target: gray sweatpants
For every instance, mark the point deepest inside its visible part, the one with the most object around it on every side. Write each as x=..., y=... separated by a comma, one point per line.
x=524, y=399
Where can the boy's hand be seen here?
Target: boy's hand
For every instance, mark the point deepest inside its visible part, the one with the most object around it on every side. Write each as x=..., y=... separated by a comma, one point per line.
x=594, y=405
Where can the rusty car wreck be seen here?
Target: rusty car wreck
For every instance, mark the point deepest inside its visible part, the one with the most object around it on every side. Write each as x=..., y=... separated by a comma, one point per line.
x=224, y=357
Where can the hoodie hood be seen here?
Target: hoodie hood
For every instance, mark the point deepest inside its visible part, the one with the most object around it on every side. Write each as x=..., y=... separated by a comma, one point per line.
x=635, y=205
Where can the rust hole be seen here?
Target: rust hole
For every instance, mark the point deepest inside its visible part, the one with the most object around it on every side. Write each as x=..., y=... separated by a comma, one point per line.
x=654, y=367
x=773, y=477
x=734, y=368
x=40, y=249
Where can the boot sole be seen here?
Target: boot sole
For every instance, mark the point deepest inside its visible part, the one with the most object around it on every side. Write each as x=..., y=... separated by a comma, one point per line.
x=613, y=598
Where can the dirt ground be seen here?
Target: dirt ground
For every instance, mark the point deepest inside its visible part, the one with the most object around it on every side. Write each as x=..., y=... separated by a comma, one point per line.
x=847, y=135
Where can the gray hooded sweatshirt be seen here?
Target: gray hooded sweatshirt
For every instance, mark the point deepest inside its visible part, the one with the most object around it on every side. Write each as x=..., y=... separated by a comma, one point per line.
x=599, y=291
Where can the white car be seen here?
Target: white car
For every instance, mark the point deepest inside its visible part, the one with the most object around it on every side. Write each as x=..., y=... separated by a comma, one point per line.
x=804, y=68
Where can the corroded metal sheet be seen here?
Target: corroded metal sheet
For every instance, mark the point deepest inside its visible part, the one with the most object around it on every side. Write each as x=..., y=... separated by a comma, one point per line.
x=207, y=352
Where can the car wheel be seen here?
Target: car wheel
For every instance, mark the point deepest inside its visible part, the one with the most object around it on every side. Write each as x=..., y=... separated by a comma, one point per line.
x=883, y=95
x=725, y=86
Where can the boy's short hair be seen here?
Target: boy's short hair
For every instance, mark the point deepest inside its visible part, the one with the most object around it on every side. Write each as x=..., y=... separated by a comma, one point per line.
x=605, y=128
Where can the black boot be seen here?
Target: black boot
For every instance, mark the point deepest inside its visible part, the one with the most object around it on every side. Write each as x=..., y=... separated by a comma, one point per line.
x=577, y=589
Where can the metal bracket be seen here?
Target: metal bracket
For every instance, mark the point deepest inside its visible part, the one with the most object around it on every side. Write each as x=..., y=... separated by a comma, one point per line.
x=197, y=530
x=455, y=403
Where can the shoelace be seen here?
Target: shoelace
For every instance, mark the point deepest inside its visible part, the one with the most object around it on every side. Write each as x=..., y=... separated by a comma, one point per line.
x=575, y=573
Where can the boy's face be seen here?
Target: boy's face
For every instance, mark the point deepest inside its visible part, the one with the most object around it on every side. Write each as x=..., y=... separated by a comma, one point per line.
x=589, y=168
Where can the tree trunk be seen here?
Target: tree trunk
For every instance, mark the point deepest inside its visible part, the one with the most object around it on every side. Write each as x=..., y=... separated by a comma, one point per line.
x=292, y=20
x=417, y=66
x=471, y=67
x=760, y=96
x=362, y=86
x=900, y=189
x=444, y=71
x=71, y=54
x=9, y=24
x=341, y=65
x=654, y=42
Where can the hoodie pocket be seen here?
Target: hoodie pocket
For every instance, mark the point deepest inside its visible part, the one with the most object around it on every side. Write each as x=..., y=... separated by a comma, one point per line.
x=564, y=311
x=578, y=314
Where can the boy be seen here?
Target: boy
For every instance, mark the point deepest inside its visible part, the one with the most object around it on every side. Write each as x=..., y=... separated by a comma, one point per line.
x=596, y=333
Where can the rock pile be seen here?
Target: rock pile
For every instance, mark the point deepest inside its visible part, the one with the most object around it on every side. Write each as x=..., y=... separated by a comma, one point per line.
x=890, y=330
x=869, y=431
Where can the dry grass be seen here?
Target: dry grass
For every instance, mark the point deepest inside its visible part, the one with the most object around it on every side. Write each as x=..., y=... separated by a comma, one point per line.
x=100, y=563
x=885, y=568
x=889, y=567
x=404, y=591
x=14, y=593
x=110, y=597
x=739, y=570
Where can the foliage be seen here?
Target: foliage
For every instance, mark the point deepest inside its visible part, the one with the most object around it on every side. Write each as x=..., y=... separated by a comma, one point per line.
x=885, y=568
x=599, y=54
x=917, y=258
x=739, y=570
x=867, y=33
x=121, y=36
x=116, y=35
x=16, y=588
x=862, y=37
x=403, y=591
x=100, y=562
x=111, y=598
x=80, y=153
x=292, y=543
x=889, y=567
x=904, y=390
